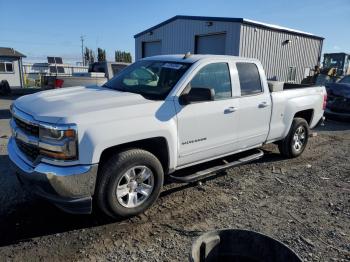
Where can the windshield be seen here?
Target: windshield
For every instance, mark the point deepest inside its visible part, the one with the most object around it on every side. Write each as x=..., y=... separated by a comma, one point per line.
x=153, y=79
x=345, y=80
x=333, y=61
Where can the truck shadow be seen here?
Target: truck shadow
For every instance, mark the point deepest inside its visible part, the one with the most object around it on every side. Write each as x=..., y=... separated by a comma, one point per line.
x=36, y=218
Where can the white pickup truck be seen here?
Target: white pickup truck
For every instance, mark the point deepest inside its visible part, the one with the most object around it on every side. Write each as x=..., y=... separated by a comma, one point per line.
x=114, y=145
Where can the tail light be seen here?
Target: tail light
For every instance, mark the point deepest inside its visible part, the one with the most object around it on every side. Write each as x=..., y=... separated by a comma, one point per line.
x=59, y=83
x=324, y=101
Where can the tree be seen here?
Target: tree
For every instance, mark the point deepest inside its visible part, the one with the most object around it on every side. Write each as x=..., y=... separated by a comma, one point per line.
x=101, y=55
x=89, y=56
x=92, y=57
x=122, y=56
x=86, y=56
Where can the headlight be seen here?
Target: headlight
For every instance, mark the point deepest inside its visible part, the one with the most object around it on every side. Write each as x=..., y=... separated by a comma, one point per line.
x=58, y=143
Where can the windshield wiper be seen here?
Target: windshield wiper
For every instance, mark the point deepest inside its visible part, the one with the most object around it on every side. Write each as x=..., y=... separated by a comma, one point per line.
x=116, y=89
x=107, y=86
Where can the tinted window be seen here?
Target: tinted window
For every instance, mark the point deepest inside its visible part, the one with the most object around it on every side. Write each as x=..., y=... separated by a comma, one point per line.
x=249, y=79
x=53, y=69
x=216, y=76
x=60, y=69
x=9, y=67
x=2, y=67
x=51, y=59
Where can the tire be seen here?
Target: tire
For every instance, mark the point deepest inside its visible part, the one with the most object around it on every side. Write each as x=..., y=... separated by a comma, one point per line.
x=5, y=88
x=116, y=179
x=293, y=145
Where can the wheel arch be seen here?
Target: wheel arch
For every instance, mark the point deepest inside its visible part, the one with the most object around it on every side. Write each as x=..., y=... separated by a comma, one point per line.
x=307, y=114
x=158, y=146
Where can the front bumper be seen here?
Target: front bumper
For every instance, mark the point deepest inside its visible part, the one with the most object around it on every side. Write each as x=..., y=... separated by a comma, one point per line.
x=68, y=187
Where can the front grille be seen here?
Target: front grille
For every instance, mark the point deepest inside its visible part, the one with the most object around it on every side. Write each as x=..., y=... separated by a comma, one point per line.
x=27, y=128
x=32, y=152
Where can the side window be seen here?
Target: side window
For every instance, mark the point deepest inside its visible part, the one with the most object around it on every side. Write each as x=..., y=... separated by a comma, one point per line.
x=249, y=79
x=9, y=67
x=216, y=76
x=6, y=67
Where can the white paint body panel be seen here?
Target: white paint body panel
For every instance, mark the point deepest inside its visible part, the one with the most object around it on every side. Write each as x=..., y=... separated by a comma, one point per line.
x=107, y=118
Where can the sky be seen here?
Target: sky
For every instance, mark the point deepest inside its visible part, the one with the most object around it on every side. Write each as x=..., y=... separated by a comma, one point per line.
x=53, y=28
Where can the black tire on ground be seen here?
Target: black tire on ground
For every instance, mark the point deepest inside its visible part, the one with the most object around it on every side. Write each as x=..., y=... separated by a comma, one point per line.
x=111, y=174
x=287, y=146
x=5, y=88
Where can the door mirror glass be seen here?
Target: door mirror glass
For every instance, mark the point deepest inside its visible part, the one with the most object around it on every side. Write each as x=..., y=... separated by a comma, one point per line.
x=197, y=94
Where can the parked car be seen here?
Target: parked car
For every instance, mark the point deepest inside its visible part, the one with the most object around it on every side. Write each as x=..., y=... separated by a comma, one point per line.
x=117, y=143
x=98, y=74
x=338, y=103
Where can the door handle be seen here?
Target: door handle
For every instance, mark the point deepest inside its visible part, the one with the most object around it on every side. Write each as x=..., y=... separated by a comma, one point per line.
x=263, y=104
x=231, y=109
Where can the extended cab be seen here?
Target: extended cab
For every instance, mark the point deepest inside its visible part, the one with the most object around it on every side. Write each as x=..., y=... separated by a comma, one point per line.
x=115, y=144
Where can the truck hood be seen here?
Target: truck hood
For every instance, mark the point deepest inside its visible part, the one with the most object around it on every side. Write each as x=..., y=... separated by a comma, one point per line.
x=67, y=105
x=339, y=89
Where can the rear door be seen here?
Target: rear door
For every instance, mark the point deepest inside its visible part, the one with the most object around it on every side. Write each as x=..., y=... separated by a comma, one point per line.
x=208, y=129
x=254, y=106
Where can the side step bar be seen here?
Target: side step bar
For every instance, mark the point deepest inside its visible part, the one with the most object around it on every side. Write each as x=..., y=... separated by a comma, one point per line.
x=208, y=172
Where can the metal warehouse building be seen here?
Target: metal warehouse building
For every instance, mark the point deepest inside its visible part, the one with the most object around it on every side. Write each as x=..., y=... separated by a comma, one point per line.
x=286, y=54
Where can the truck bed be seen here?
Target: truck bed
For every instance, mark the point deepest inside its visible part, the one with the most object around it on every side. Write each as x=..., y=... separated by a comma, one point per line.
x=277, y=86
x=294, y=98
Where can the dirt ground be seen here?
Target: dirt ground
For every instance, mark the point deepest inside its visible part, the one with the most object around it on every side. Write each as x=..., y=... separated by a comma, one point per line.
x=303, y=202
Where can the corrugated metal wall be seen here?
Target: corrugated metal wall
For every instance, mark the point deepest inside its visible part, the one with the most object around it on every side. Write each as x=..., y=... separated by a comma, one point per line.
x=268, y=46
x=178, y=37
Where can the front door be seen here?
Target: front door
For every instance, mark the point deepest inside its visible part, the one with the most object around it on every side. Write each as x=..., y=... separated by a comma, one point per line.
x=208, y=129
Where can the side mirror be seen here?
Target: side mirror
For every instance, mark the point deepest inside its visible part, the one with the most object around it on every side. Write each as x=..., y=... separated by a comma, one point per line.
x=197, y=94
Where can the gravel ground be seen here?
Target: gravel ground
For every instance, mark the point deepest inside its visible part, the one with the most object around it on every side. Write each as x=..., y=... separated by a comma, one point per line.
x=303, y=202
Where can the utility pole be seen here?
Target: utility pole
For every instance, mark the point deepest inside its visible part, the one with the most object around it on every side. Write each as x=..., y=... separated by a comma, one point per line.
x=82, y=49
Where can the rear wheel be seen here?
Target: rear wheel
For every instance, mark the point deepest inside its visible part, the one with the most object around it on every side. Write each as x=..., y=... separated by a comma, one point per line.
x=129, y=183
x=295, y=142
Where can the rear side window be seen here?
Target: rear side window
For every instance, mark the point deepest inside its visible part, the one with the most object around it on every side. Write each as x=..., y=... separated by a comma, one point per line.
x=216, y=76
x=249, y=79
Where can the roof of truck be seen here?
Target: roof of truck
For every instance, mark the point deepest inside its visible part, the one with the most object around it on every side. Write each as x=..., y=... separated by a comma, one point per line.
x=183, y=58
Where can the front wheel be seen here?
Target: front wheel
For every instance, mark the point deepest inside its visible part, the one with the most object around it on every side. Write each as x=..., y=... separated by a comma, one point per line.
x=295, y=142
x=129, y=183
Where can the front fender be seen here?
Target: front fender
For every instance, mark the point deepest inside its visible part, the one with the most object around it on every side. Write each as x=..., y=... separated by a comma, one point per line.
x=96, y=139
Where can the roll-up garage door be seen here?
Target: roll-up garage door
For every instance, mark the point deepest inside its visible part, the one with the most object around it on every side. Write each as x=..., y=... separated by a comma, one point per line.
x=213, y=44
x=151, y=48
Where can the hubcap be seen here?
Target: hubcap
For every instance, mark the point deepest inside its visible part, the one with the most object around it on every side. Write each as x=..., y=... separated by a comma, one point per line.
x=299, y=138
x=135, y=186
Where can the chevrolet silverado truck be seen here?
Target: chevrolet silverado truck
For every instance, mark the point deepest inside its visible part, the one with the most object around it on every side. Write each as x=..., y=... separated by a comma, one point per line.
x=111, y=147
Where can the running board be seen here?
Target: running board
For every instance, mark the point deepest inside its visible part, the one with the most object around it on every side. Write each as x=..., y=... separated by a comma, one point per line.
x=208, y=172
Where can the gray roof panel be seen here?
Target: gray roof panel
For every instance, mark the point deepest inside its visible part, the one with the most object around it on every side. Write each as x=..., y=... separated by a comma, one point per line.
x=230, y=19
